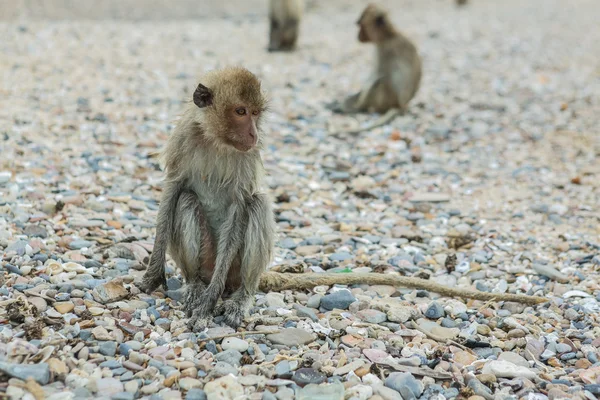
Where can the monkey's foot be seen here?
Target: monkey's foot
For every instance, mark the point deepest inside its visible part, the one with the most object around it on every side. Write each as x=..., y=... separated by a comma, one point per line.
x=200, y=320
x=152, y=282
x=233, y=312
x=192, y=297
x=199, y=324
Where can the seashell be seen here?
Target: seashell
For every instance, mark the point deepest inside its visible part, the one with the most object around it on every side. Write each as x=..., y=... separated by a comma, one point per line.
x=74, y=267
x=53, y=268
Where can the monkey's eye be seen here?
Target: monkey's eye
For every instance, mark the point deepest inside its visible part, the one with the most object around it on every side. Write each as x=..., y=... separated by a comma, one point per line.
x=240, y=111
x=255, y=112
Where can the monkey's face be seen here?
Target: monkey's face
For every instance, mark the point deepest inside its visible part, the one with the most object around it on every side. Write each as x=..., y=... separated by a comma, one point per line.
x=373, y=25
x=232, y=104
x=242, y=131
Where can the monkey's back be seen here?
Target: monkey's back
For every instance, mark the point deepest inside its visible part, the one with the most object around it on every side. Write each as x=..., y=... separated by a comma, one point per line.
x=399, y=65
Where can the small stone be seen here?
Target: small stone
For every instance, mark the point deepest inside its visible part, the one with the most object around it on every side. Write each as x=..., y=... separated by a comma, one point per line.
x=305, y=312
x=351, y=367
x=333, y=391
x=64, y=307
x=505, y=369
x=100, y=333
x=108, y=348
x=39, y=303
x=464, y=358
x=287, y=243
x=340, y=300
x=189, y=383
x=513, y=358
x=234, y=344
x=58, y=367
x=275, y=300
x=435, y=311
x=79, y=244
x=375, y=355
x=195, y=394
x=110, y=292
x=314, y=301
x=305, y=376
x=405, y=384
x=283, y=369
x=372, y=316
x=109, y=386
x=291, y=337
x=35, y=231
x=230, y=356
x=226, y=388
x=305, y=251
x=39, y=372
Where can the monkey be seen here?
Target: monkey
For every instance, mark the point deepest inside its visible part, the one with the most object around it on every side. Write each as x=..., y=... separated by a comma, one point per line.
x=285, y=16
x=461, y=2
x=214, y=219
x=397, y=73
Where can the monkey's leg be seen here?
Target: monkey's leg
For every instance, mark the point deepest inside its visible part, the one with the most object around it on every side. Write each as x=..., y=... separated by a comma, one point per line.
x=192, y=247
x=274, y=35
x=257, y=250
x=155, y=274
x=230, y=239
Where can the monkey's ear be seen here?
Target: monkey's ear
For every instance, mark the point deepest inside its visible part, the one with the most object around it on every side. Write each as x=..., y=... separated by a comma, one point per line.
x=203, y=97
x=380, y=21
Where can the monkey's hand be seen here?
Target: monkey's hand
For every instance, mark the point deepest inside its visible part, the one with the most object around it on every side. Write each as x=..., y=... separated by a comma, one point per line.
x=152, y=281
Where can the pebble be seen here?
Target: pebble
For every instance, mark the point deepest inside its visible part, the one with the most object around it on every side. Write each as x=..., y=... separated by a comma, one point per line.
x=340, y=300
x=226, y=388
x=306, y=376
x=195, y=394
x=291, y=337
x=230, y=356
x=234, y=344
x=506, y=369
x=38, y=372
x=405, y=384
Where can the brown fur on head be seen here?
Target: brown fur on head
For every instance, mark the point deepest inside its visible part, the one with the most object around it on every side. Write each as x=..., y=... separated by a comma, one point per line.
x=375, y=25
x=229, y=106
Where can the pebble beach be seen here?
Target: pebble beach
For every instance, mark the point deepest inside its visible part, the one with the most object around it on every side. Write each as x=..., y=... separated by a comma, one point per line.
x=490, y=182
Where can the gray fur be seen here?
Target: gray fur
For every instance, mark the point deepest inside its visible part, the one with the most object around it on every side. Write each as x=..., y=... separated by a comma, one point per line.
x=212, y=203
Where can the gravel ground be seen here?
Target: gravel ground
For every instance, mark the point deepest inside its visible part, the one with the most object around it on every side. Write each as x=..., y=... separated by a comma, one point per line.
x=492, y=182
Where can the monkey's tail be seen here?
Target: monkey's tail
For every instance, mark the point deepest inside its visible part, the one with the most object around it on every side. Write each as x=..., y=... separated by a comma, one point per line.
x=385, y=119
x=275, y=281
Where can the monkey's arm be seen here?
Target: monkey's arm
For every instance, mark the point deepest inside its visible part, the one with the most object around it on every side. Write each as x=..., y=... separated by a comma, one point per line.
x=274, y=281
x=155, y=274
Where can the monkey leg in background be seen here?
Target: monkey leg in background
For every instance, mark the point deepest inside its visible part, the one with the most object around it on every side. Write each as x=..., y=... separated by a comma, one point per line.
x=285, y=18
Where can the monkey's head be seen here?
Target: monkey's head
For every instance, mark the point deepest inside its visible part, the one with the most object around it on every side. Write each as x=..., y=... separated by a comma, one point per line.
x=374, y=25
x=232, y=104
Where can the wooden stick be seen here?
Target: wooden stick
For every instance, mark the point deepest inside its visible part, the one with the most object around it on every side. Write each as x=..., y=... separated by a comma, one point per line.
x=276, y=282
x=235, y=334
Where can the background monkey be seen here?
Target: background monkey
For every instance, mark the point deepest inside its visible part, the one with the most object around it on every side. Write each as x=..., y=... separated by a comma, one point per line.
x=397, y=71
x=285, y=18
x=216, y=224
